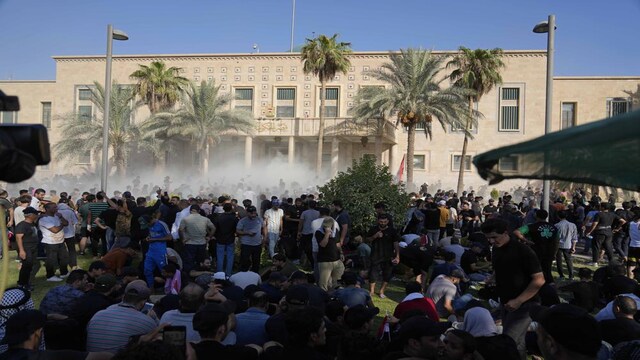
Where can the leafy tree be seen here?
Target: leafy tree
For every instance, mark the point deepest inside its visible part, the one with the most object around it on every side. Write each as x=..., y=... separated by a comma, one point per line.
x=324, y=57
x=203, y=117
x=361, y=187
x=416, y=93
x=477, y=70
x=159, y=87
x=83, y=134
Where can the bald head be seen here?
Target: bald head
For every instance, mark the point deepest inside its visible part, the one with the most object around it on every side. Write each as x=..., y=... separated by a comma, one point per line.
x=624, y=307
x=191, y=298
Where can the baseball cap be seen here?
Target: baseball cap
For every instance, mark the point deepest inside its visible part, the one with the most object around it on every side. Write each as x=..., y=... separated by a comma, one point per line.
x=356, y=316
x=570, y=326
x=138, y=287
x=220, y=275
x=275, y=202
x=30, y=210
x=297, y=295
x=419, y=326
x=105, y=282
x=457, y=273
x=21, y=325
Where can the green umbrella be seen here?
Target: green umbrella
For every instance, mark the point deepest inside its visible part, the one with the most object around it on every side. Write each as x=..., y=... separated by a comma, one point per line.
x=605, y=152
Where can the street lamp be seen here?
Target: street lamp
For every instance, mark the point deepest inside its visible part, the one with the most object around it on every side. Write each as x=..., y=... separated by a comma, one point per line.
x=112, y=34
x=548, y=27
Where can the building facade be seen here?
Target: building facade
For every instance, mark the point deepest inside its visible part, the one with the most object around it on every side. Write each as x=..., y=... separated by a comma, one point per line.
x=285, y=103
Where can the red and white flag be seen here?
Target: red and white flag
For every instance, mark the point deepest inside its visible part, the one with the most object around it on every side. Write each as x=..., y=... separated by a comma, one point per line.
x=401, y=170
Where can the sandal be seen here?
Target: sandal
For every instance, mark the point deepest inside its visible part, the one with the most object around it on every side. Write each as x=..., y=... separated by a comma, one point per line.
x=382, y=296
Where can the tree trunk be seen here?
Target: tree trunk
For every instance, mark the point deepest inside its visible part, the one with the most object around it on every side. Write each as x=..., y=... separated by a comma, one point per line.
x=463, y=157
x=205, y=160
x=119, y=160
x=321, y=129
x=411, y=142
x=378, y=145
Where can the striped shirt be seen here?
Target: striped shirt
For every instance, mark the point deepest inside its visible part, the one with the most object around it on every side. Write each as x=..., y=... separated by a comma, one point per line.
x=110, y=329
x=96, y=208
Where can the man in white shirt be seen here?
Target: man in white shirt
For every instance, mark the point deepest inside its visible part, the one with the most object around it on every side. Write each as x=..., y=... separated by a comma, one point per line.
x=185, y=209
x=274, y=221
x=38, y=196
x=18, y=215
x=245, y=277
x=52, y=227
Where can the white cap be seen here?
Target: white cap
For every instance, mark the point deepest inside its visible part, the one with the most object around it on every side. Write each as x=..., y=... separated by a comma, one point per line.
x=220, y=275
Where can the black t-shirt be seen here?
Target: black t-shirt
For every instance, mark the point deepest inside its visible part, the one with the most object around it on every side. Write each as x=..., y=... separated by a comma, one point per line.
x=615, y=331
x=417, y=259
x=382, y=249
x=514, y=264
x=431, y=219
x=327, y=253
x=109, y=217
x=545, y=238
x=343, y=218
x=226, y=228
x=468, y=258
x=490, y=209
x=618, y=284
x=586, y=294
x=208, y=349
x=30, y=232
x=605, y=220
x=293, y=212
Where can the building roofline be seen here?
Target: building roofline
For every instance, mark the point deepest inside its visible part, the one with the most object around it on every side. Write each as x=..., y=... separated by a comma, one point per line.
x=598, y=77
x=272, y=54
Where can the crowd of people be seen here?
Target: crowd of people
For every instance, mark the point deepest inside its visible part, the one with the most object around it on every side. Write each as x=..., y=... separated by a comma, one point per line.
x=286, y=278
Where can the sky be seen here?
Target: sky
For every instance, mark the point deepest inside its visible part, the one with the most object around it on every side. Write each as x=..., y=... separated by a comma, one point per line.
x=593, y=37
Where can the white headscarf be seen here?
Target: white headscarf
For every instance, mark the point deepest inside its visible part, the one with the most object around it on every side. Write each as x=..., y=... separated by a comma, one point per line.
x=9, y=303
x=478, y=322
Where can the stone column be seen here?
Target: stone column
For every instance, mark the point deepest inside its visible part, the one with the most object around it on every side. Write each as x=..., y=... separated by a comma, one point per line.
x=248, y=151
x=292, y=149
x=393, y=159
x=335, y=150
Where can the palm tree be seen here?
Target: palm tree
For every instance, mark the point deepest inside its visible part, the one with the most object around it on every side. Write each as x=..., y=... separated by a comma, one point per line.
x=158, y=86
x=416, y=93
x=324, y=57
x=82, y=134
x=477, y=70
x=203, y=118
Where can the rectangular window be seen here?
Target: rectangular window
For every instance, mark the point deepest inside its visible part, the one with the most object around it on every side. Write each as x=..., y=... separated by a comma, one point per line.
x=244, y=99
x=473, y=129
x=85, y=158
x=84, y=94
x=419, y=127
x=85, y=112
x=46, y=114
x=9, y=117
x=618, y=106
x=455, y=163
x=331, y=102
x=418, y=162
x=286, y=102
x=509, y=109
x=568, y=115
x=508, y=163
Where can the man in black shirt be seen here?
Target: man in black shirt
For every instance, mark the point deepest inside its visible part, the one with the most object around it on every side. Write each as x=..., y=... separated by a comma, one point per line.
x=432, y=222
x=467, y=215
x=543, y=239
x=489, y=210
x=225, y=237
x=27, y=239
x=289, y=235
x=623, y=327
x=603, y=232
x=385, y=253
x=518, y=277
x=586, y=293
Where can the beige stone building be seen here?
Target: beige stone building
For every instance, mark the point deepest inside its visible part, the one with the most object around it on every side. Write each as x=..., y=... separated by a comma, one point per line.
x=285, y=103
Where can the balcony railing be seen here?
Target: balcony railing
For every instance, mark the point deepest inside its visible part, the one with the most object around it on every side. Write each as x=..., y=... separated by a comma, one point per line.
x=333, y=127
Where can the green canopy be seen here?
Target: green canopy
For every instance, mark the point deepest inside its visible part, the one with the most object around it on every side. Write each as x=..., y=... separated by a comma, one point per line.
x=605, y=152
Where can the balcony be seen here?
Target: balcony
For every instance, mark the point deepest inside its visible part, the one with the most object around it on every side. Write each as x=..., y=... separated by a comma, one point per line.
x=342, y=127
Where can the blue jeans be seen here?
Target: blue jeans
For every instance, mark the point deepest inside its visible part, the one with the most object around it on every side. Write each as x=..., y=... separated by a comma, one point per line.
x=221, y=251
x=152, y=261
x=273, y=241
x=190, y=256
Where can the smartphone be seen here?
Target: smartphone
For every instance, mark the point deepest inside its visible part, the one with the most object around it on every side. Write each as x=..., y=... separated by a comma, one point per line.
x=147, y=307
x=176, y=336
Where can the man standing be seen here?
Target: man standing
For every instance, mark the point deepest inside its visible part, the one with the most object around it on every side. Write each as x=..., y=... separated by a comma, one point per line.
x=52, y=225
x=250, y=231
x=69, y=231
x=37, y=201
x=156, y=257
x=273, y=225
x=518, y=277
x=342, y=217
x=568, y=236
x=603, y=232
x=8, y=208
x=97, y=234
x=305, y=231
x=385, y=253
x=195, y=229
x=27, y=240
x=225, y=225
x=543, y=241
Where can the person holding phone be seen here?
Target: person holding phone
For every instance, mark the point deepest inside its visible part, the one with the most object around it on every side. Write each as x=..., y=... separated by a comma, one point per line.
x=385, y=253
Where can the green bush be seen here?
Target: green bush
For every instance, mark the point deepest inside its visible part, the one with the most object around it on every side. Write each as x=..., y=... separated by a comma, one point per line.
x=360, y=188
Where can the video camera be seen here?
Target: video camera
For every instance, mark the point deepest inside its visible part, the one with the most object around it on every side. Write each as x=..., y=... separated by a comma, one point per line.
x=22, y=147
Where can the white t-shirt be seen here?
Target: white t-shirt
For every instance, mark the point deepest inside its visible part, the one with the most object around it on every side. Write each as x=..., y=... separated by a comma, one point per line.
x=315, y=226
x=35, y=203
x=48, y=237
x=245, y=278
x=274, y=219
x=634, y=234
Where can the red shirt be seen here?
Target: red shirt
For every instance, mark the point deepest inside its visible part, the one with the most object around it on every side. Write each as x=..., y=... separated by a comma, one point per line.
x=423, y=304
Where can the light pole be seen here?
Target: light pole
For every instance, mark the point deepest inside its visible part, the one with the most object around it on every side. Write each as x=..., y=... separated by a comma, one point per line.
x=111, y=35
x=548, y=27
x=293, y=22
